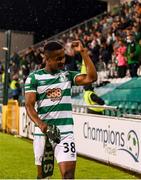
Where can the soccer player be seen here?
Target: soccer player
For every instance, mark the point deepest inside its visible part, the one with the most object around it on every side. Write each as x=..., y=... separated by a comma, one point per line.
x=50, y=90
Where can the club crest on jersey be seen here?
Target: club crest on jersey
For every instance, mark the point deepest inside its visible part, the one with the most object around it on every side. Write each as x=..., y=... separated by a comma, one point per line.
x=63, y=77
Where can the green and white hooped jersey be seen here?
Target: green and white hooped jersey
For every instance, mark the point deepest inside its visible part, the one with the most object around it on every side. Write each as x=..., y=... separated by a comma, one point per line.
x=53, y=97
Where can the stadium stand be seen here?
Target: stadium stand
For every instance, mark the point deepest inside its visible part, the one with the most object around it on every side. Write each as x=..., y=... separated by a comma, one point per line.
x=126, y=97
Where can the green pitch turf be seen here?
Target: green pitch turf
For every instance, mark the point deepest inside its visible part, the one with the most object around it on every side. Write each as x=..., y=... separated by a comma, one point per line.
x=17, y=162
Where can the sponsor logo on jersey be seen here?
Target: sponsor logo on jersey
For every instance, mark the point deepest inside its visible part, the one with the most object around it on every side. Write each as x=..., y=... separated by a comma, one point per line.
x=54, y=94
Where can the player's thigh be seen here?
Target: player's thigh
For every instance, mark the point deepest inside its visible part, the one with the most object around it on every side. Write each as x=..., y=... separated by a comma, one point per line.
x=67, y=169
x=65, y=154
x=65, y=150
x=38, y=146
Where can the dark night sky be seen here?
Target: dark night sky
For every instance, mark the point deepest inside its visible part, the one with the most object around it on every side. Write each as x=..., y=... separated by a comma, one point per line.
x=46, y=17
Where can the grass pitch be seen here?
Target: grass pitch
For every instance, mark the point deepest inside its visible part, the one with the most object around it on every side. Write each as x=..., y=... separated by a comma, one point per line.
x=17, y=162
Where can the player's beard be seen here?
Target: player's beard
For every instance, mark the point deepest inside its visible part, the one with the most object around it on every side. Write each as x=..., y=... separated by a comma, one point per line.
x=61, y=66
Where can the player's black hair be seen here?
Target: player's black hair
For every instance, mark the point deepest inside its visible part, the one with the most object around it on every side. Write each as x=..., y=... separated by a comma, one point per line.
x=53, y=46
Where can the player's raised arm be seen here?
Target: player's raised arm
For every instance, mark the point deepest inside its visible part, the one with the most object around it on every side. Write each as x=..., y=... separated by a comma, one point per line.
x=91, y=75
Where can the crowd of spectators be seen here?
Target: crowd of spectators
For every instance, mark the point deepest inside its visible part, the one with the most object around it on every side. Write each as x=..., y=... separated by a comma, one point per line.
x=113, y=41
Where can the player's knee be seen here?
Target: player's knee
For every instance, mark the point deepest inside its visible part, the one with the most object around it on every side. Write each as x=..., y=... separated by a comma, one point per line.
x=68, y=174
x=38, y=160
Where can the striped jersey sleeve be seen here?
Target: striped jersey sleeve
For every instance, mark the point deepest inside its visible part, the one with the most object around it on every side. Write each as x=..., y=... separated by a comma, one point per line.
x=31, y=83
x=73, y=75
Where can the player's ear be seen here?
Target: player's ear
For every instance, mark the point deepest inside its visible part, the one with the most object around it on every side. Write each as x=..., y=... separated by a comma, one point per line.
x=46, y=56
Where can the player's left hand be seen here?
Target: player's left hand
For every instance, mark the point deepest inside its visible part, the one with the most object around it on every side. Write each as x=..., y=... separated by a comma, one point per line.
x=77, y=46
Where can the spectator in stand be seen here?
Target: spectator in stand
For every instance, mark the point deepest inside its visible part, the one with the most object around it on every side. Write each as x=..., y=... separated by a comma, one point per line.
x=110, y=38
x=139, y=57
x=137, y=33
x=15, y=87
x=95, y=50
x=1, y=68
x=16, y=59
x=91, y=98
x=138, y=8
x=30, y=57
x=116, y=43
x=121, y=59
x=13, y=69
x=70, y=63
x=132, y=55
x=38, y=59
x=1, y=72
x=105, y=53
x=139, y=50
x=25, y=68
x=113, y=67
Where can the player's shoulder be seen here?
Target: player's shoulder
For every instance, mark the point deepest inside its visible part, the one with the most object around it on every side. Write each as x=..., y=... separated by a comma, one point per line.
x=69, y=72
x=37, y=72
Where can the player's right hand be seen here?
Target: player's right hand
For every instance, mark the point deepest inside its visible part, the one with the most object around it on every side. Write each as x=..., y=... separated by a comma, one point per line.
x=43, y=127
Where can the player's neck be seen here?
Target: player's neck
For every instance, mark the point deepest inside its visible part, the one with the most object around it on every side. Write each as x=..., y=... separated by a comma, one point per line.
x=51, y=71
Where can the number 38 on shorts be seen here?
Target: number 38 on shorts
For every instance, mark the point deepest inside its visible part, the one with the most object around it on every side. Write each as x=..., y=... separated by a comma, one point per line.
x=69, y=147
x=65, y=150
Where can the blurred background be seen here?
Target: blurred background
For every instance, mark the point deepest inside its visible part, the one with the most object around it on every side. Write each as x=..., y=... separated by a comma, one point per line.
x=110, y=30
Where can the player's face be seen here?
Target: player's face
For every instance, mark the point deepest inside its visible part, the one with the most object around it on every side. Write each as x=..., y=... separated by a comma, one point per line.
x=57, y=60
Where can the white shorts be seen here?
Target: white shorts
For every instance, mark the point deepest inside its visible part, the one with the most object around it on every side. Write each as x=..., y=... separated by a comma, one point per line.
x=64, y=151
